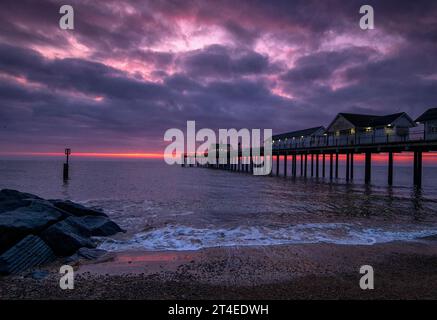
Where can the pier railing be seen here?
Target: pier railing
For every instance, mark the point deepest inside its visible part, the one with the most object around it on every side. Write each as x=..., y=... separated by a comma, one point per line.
x=348, y=140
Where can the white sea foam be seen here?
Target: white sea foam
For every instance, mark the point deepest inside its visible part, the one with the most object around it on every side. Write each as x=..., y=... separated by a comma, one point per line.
x=176, y=237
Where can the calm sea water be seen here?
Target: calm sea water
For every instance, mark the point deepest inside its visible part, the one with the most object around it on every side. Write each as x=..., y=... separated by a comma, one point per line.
x=172, y=208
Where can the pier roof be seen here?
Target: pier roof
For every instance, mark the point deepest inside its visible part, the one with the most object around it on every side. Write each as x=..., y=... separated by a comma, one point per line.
x=430, y=114
x=299, y=133
x=366, y=120
x=371, y=120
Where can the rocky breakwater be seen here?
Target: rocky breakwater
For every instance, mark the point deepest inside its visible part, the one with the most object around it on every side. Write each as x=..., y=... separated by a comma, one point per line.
x=34, y=231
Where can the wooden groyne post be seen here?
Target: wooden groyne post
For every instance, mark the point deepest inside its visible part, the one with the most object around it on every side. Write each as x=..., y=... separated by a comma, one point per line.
x=66, y=164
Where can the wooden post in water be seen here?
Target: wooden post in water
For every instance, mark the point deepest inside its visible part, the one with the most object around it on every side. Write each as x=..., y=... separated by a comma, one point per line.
x=285, y=165
x=352, y=165
x=301, y=165
x=347, y=166
x=368, y=167
x=336, y=165
x=66, y=164
x=390, y=168
x=306, y=165
x=317, y=165
x=312, y=165
x=323, y=165
x=417, y=169
x=251, y=161
x=277, y=165
x=331, y=166
x=295, y=165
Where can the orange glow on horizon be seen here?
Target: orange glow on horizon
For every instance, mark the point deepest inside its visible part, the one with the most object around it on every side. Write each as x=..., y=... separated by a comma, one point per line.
x=89, y=154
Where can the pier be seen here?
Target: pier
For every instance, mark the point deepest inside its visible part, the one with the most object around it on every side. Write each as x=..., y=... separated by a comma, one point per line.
x=320, y=157
x=347, y=135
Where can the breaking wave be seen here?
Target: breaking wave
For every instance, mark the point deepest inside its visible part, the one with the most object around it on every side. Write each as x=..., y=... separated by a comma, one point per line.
x=177, y=237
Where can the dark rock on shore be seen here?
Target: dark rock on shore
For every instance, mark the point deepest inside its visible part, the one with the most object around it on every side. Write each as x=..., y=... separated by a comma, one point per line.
x=16, y=224
x=63, y=226
x=65, y=239
x=76, y=209
x=28, y=253
x=95, y=226
x=12, y=199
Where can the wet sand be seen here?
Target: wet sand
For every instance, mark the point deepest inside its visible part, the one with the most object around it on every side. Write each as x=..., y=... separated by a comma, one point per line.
x=403, y=270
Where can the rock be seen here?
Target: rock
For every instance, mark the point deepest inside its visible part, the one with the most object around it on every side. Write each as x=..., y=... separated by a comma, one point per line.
x=76, y=209
x=30, y=225
x=28, y=253
x=65, y=238
x=8, y=194
x=16, y=224
x=85, y=253
x=95, y=226
x=12, y=199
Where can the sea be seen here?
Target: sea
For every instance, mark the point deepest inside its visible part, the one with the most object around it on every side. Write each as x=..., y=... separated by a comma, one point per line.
x=165, y=207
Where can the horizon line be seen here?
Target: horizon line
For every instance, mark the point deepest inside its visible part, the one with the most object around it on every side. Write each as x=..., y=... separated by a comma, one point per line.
x=136, y=155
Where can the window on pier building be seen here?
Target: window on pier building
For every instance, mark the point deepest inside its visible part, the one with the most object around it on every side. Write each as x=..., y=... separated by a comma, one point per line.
x=345, y=132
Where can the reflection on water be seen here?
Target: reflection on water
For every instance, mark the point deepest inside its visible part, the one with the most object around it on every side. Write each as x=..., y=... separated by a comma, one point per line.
x=156, y=201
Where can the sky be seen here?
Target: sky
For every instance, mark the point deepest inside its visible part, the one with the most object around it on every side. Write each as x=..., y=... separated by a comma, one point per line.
x=130, y=70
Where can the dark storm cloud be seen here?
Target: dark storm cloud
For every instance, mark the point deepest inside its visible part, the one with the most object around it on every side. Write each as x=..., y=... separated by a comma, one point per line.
x=219, y=61
x=132, y=69
x=321, y=65
x=75, y=74
x=130, y=108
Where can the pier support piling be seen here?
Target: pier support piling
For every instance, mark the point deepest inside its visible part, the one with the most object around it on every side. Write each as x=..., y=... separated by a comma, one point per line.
x=323, y=165
x=347, y=166
x=301, y=165
x=251, y=164
x=390, y=168
x=277, y=165
x=331, y=166
x=418, y=169
x=295, y=165
x=312, y=165
x=285, y=165
x=368, y=167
